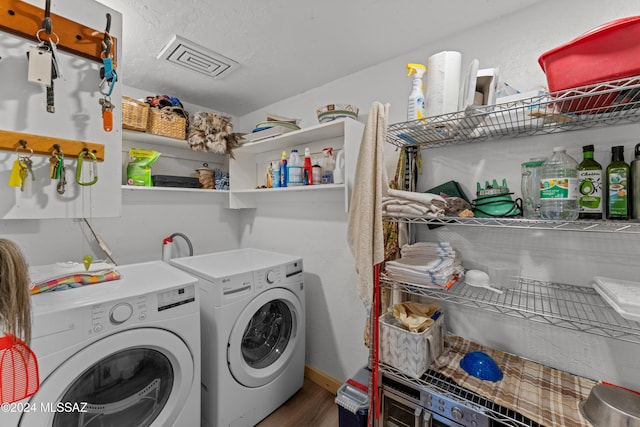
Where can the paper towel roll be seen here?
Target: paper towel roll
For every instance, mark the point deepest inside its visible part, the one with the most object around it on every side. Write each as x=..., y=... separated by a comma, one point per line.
x=443, y=83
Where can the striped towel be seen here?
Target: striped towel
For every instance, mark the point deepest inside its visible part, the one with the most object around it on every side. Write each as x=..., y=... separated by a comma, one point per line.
x=545, y=395
x=67, y=275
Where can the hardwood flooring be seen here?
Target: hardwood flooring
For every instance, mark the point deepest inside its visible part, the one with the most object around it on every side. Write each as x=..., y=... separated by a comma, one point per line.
x=312, y=405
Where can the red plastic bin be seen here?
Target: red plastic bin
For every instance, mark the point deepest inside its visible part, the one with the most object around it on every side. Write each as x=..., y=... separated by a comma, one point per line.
x=606, y=53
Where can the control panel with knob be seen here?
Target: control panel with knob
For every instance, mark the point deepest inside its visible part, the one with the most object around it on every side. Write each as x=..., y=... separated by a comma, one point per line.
x=271, y=277
x=120, y=313
x=107, y=316
x=457, y=413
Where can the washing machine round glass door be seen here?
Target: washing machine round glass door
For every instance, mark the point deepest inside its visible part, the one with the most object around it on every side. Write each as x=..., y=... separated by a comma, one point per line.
x=265, y=336
x=135, y=378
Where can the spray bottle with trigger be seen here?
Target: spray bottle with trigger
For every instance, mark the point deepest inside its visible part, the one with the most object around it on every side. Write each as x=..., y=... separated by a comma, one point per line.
x=415, y=108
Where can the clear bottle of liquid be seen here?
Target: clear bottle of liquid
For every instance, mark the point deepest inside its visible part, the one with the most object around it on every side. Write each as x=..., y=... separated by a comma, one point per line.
x=294, y=168
x=559, y=187
x=589, y=186
x=328, y=165
x=617, y=181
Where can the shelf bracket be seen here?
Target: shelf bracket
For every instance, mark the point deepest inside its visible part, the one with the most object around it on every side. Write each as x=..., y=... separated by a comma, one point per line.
x=10, y=141
x=24, y=20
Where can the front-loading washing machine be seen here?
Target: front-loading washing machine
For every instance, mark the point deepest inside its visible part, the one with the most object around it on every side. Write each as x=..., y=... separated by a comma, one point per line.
x=252, y=325
x=123, y=353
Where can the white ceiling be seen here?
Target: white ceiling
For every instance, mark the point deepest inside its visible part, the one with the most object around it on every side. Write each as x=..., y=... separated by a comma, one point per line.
x=283, y=47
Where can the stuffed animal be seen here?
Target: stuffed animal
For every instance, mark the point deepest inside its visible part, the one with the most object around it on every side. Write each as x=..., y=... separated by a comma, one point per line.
x=211, y=132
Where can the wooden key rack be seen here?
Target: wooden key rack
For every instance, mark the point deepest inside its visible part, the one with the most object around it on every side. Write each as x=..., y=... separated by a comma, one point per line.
x=24, y=20
x=45, y=144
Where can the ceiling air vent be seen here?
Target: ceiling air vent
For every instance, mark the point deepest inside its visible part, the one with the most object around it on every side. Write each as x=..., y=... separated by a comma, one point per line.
x=197, y=58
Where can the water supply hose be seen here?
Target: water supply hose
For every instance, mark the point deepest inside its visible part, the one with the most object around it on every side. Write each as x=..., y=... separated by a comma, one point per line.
x=186, y=239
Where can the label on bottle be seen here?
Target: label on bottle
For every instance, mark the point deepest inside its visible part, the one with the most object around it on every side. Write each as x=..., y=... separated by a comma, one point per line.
x=559, y=188
x=295, y=175
x=618, y=189
x=590, y=191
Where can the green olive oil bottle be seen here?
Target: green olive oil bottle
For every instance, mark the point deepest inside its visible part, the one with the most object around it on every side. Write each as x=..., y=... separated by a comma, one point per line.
x=618, y=196
x=589, y=186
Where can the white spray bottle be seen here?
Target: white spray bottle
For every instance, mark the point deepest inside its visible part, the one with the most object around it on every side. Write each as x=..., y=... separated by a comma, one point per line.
x=415, y=108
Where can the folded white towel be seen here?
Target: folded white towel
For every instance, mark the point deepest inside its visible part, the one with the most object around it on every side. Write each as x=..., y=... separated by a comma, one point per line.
x=424, y=198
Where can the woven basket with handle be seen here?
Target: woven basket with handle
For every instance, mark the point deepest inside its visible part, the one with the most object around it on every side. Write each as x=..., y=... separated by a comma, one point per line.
x=134, y=114
x=168, y=121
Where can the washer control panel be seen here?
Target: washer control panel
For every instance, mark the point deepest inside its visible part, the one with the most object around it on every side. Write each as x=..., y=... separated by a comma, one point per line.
x=176, y=297
x=113, y=314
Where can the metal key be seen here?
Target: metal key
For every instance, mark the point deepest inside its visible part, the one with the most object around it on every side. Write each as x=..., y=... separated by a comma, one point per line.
x=53, y=167
x=62, y=180
x=29, y=165
x=23, y=176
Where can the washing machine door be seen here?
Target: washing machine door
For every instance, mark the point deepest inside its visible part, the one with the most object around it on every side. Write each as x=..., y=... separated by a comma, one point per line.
x=139, y=377
x=267, y=334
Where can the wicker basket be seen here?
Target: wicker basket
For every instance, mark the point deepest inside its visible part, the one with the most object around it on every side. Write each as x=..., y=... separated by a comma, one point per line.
x=134, y=114
x=166, y=122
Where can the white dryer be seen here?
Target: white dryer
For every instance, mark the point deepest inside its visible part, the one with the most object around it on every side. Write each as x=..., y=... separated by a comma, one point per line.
x=121, y=353
x=252, y=324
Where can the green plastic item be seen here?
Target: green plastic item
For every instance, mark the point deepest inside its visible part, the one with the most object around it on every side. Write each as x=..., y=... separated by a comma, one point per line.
x=495, y=201
x=139, y=167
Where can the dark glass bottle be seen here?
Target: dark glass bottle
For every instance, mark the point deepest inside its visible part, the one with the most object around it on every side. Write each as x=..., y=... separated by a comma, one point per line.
x=617, y=184
x=590, y=200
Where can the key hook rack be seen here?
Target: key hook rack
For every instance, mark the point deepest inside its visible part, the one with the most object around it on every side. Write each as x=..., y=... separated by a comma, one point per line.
x=38, y=144
x=25, y=20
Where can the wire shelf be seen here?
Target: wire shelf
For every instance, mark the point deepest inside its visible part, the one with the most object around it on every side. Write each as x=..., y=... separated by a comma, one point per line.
x=601, y=226
x=578, y=308
x=432, y=380
x=606, y=103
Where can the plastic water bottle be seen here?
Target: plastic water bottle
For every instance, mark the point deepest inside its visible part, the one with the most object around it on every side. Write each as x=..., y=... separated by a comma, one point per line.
x=559, y=187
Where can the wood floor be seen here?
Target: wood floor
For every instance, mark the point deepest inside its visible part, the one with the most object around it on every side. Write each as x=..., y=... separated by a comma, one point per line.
x=311, y=406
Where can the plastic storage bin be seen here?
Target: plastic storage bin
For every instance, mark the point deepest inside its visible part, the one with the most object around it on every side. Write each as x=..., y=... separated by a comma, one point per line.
x=353, y=400
x=410, y=352
x=606, y=53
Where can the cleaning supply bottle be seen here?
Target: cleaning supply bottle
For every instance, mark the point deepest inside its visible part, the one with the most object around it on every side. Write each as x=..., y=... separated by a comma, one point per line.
x=617, y=183
x=284, y=172
x=275, y=174
x=415, y=107
x=307, y=167
x=589, y=186
x=559, y=187
x=294, y=169
x=635, y=184
x=328, y=165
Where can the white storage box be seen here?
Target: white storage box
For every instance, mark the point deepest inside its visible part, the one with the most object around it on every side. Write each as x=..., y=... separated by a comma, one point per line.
x=410, y=352
x=622, y=295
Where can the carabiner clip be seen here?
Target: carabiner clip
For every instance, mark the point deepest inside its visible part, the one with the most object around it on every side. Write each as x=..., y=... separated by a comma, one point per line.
x=93, y=172
x=106, y=86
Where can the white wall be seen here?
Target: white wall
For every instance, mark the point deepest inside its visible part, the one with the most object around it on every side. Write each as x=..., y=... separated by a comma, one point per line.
x=513, y=44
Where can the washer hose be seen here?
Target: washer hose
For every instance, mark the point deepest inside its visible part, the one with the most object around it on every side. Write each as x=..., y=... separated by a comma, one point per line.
x=186, y=239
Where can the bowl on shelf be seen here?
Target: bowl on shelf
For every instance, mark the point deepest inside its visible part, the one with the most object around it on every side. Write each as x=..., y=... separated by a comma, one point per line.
x=336, y=111
x=481, y=365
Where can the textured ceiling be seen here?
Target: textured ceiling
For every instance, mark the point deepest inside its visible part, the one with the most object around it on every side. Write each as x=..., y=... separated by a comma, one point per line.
x=283, y=47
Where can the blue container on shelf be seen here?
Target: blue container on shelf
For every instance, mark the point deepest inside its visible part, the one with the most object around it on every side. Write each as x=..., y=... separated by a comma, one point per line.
x=353, y=400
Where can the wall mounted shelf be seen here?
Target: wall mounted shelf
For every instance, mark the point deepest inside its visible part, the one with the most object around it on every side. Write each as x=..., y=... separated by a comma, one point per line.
x=597, y=226
x=527, y=117
x=572, y=307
